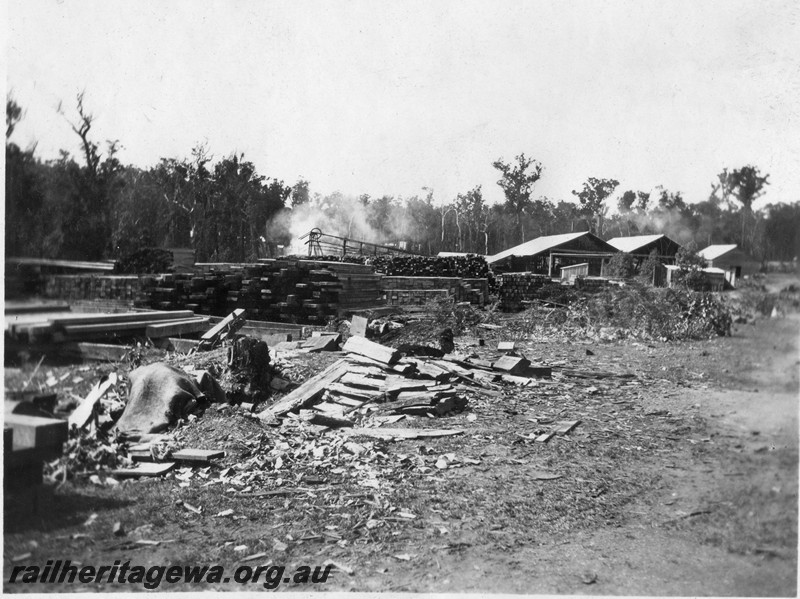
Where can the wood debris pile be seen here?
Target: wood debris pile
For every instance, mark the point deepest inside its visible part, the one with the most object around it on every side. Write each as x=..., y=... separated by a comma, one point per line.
x=373, y=379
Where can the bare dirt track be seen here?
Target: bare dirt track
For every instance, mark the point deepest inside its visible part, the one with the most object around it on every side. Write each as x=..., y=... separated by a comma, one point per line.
x=680, y=480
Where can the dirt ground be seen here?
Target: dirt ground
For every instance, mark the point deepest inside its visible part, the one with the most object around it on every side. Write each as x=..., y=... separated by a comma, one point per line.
x=681, y=479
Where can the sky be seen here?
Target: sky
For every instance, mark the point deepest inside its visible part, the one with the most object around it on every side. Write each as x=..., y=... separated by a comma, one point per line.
x=393, y=97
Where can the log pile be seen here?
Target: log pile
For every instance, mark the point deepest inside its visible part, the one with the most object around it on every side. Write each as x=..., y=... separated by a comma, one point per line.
x=466, y=267
x=515, y=288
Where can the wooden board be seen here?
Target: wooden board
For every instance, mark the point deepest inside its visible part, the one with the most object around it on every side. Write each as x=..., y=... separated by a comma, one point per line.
x=321, y=343
x=197, y=455
x=357, y=380
x=227, y=326
x=144, y=469
x=564, y=426
x=515, y=365
x=81, y=415
x=403, y=433
x=358, y=326
x=146, y=316
x=375, y=351
x=331, y=409
x=321, y=419
x=307, y=392
x=177, y=327
x=360, y=394
x=36, y=432
x=99, y=351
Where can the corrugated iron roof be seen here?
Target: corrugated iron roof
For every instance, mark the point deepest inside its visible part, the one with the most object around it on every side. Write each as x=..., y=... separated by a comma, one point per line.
x=713, y=252
x=634, y=242
x=536, y=246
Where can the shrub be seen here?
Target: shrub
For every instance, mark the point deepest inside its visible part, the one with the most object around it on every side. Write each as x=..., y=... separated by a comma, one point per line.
x=621, y=265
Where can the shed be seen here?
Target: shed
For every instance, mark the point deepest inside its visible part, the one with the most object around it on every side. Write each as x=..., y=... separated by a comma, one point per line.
x=641, y=246
x=715, y=277
x=730, y=258
x=552, y=252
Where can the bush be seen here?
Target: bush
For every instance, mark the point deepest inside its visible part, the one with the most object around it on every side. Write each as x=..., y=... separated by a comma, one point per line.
x=638, y=311
x=621, y=266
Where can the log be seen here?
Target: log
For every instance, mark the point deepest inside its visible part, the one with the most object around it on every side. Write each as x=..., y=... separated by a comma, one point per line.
x=307, y=392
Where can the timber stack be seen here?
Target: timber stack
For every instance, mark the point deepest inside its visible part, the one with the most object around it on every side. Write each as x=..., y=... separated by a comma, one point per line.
x=515, y=288
x=270, y=290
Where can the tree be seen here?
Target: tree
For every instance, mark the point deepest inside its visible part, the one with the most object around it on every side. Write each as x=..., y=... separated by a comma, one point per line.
x=13, y=116
x=782, y=231
x=300, y=193
x=745, y=185
x=690, y=265
x=621, y=265
x=517, y=183
x=595, y=191
x=469, y=211
x=24, y=193
x=80, y=198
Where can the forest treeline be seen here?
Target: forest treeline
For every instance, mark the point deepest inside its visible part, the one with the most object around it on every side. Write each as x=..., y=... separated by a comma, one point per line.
x=91, y=206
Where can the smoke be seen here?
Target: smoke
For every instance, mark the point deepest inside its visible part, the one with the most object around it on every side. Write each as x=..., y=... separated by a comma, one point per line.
x=378, y=221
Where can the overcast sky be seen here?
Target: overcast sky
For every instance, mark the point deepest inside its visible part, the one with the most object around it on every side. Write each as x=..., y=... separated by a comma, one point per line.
x=389, y=97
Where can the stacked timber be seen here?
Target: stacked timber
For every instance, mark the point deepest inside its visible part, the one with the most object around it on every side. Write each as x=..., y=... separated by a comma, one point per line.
x=292, y=291
x=419, y=290
x=515, y=288
x=92, y=287
x=66, y=328
x=591, y=283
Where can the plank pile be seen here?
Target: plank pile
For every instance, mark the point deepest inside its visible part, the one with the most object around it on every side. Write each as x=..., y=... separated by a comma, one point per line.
x=72, y=327
x=591, y=283
x=272, y=290
x=517, y=287
x=93, y=287
x=417, y=290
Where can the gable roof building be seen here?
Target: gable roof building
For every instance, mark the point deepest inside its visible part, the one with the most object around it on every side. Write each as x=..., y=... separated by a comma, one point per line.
x=643, y=245
x=735, y=262
x=544, y=254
